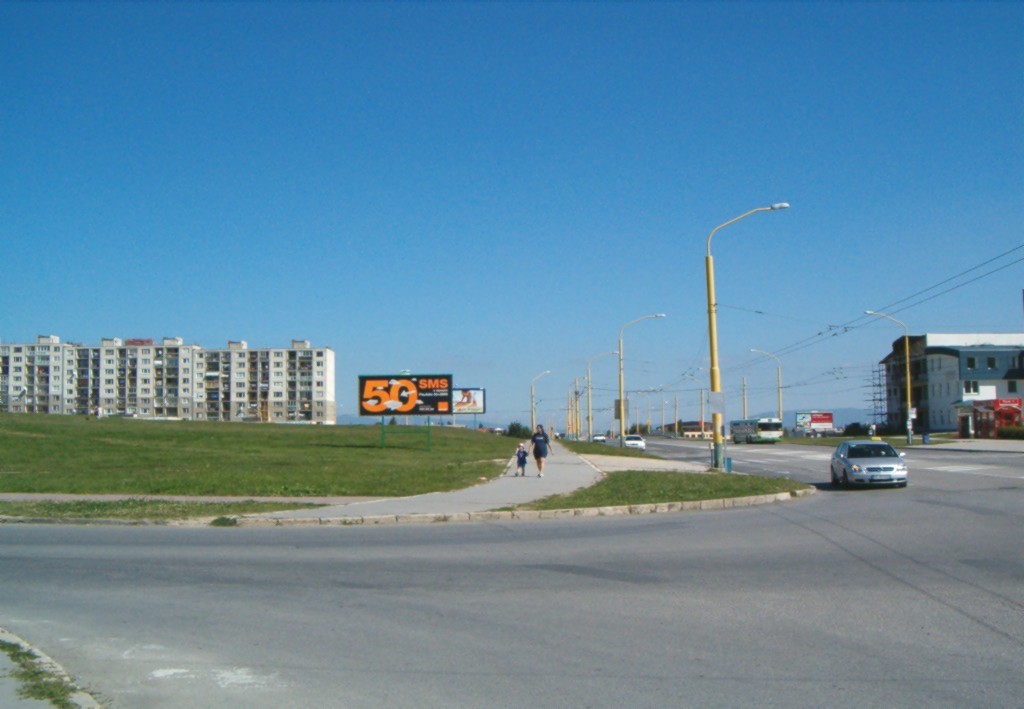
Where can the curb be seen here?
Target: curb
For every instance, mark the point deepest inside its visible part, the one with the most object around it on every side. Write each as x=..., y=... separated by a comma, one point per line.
x=434, y=518
x=513, y=515
x=79, y=698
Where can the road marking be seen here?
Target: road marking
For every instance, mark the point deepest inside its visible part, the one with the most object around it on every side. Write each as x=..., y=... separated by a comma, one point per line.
x=982, y=471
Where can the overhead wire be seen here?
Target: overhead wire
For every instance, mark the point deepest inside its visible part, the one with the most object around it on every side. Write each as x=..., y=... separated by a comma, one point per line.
x=863, y=319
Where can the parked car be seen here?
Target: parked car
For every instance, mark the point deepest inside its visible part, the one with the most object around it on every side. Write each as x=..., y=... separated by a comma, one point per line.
x=635, y=441
x=868, y=463
x=598, y=438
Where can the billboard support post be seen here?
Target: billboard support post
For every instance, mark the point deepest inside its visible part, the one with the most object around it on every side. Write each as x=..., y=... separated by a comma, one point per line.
x=406, y=394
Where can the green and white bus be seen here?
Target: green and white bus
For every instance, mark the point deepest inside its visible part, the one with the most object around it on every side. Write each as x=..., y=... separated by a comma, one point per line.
x=759, y=430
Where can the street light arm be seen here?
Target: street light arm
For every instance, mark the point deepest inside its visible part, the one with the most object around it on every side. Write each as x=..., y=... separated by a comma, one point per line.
x=603, y=354
x=771, y=208
x=634, y=322
x=888, y=317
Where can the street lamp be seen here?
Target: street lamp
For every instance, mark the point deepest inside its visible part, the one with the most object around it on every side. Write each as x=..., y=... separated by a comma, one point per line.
x=716, y=382
x=622, y=381
x=590, y=410
x=778, y=363
x=906, y=357
x=533, y=414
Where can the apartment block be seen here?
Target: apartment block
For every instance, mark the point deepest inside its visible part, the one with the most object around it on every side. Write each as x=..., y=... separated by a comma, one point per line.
x=144, y=378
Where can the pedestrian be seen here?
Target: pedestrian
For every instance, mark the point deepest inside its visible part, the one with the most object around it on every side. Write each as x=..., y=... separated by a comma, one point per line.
x=541, y=445
x=520, y=461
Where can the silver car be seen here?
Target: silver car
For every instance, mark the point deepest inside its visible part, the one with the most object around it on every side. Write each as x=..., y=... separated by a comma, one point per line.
x=868, y=463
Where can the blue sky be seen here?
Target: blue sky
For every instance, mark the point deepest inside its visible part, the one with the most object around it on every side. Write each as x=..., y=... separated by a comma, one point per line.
x=492, y=190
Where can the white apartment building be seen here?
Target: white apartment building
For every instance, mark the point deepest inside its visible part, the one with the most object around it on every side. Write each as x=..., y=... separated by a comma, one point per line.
x=143, y=378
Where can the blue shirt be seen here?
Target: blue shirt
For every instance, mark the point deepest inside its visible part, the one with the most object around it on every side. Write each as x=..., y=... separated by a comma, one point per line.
x=540, y=444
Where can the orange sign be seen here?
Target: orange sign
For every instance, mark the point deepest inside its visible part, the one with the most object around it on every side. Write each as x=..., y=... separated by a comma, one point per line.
x=406, y=394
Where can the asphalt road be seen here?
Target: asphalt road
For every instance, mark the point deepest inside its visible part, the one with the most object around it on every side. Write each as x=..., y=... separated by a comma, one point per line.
x=891, y=598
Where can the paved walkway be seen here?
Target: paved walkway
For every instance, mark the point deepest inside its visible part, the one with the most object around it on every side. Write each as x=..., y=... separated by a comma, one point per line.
x=564, y=472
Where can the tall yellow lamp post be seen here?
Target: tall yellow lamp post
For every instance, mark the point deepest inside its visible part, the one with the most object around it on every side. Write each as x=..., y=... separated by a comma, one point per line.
x=906, y=374
x=778, y=364
x=718, y=461
x=622, y=381
x=533, y=410
x=590, y=409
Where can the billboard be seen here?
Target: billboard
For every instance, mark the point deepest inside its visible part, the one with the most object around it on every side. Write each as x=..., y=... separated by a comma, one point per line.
x=815, y=420
x=406, y=394
x=470, y=400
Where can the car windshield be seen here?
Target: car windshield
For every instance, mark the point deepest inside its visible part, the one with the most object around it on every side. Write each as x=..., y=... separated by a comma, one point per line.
x=873, y=451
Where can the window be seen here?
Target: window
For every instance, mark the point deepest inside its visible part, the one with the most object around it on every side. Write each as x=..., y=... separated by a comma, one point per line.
x=991, y=362
x=1011, y=386
x=971, y=387
x=970, y=363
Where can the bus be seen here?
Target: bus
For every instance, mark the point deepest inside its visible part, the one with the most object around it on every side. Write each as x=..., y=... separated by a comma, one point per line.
x=759, y=430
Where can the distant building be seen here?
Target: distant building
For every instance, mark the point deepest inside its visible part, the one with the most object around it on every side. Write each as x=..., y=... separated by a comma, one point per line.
x=143, y=378
x=970, y=383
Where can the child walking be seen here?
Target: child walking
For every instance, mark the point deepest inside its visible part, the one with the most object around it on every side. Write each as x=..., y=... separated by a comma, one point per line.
x=520, y=461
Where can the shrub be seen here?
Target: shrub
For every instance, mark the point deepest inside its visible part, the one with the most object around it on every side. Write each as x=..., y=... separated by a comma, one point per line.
x=1016, y=432
x=518, y=430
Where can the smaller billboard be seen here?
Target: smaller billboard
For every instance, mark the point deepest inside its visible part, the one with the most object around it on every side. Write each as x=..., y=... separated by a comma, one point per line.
x=470, y=400
x=815, y=420
x=406, y=394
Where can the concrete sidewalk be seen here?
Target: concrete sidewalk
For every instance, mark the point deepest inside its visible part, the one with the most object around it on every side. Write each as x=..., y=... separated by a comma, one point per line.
x=564, y=472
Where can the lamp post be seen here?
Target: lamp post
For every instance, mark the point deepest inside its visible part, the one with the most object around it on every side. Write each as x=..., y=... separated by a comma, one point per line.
x=778, y=363
x=716, y=382
x=906, y=357
x=622, y=381
x=590, y=409
x=533, y=410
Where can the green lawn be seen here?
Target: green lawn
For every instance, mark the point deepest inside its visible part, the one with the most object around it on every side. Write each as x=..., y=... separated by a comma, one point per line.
x=72, y=454
x=645, y=487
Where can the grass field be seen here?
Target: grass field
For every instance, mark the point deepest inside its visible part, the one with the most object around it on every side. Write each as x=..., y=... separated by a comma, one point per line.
x=72, y=454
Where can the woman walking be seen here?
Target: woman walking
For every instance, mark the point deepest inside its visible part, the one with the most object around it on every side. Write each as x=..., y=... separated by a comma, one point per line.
x=540, y=444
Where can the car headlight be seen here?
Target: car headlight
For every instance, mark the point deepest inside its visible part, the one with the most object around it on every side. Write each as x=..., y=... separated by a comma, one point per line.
x=855, y=468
